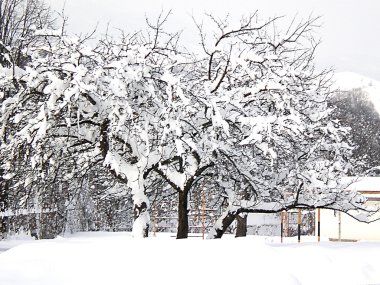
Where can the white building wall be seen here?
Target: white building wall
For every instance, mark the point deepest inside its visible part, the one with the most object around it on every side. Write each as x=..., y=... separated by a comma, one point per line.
x=350, y=228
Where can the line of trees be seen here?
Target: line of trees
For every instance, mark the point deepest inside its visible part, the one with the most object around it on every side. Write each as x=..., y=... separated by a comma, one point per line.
x=126, y=120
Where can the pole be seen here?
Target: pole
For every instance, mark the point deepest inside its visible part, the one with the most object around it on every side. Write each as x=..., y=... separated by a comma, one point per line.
x=319, y=224
x=282, y=224
x=286, y=224
x=340, y=226
x=154, y=221
x=299, y=225
x=203, y=213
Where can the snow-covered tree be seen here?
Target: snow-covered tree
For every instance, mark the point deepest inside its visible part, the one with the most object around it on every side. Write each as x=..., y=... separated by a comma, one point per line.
x=279, y=142
x=248, y=118
x=355, y=109
x=18, y=20
x=116, y=104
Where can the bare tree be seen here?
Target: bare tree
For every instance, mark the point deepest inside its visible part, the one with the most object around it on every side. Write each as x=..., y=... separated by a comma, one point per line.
x=18, y=21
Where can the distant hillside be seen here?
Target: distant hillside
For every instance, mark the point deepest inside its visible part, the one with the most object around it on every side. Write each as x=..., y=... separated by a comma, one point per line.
x=349, y=80
x=353, y=110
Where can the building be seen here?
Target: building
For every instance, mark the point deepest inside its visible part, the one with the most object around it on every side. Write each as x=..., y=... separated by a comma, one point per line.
x=334, y=225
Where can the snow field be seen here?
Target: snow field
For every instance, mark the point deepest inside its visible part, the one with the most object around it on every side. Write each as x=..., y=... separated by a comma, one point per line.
x=117, y=258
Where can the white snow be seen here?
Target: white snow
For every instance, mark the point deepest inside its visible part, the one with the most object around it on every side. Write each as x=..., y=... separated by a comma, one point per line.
x=351, y=80
x=117, y=258
x=362, y=183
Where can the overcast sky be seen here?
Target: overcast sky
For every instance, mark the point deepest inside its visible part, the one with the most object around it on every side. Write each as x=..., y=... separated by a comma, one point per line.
x=350, y=33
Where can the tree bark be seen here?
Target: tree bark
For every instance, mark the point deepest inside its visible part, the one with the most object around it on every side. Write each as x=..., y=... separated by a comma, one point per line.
x=135, y=181
x=241, y=228
x=222, y=223
x=183, y=219
x=4, y=185
x=141, y=220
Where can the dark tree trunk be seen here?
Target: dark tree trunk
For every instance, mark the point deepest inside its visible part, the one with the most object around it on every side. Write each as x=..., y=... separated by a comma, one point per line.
x=4, y=185
x=226, y=220
x=183, y=220
x=241, y=228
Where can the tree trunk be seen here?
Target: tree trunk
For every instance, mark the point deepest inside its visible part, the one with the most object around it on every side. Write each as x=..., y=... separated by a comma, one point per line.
x=134, y=180
x=223, y=223
x=140, y=205
x=4, y=185
x=141, y=220
x=241, y=228
x=183, y=219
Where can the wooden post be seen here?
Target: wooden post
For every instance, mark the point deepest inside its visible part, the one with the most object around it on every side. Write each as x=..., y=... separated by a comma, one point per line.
x=154, y=221
x=339, y=226
x=286, y=224
x=299, y=225
x=319, y=224
x=203, y=213
x=282, y=225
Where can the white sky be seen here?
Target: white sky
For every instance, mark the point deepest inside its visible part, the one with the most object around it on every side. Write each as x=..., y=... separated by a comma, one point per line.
x=350, y=33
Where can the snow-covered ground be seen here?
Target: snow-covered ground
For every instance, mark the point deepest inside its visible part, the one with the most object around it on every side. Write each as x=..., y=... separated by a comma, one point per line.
x=117, y=258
